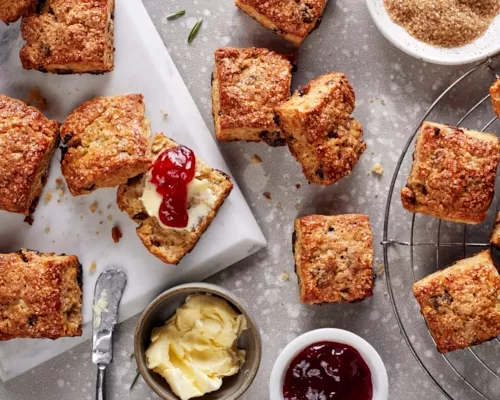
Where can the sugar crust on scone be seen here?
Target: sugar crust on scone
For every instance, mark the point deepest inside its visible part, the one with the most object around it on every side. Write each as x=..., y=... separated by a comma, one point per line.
x=12, y=10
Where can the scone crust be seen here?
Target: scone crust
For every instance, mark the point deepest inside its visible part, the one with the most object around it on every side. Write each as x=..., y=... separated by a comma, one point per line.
x=495, y=97
x=12, y=10
x=40, y=295
x=460, y=303
x=495, y=232
x=247, y=84
x=293, y=20
x=27, y=143
x=170, y=245
x=453, y=173
x=333, y=258
x=107, y=141
x=319, y=130
x=69, y=37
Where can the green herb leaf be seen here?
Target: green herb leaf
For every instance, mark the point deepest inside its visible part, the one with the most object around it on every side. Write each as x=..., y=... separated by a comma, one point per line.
x=195, y=30
x=176, y=15
x=132, y=355
x=137, y=375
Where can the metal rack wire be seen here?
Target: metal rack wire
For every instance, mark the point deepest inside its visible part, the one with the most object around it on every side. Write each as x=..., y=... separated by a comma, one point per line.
x=472, y=382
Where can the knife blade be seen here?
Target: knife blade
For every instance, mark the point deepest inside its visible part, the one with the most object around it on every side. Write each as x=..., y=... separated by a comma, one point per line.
x=107, y=295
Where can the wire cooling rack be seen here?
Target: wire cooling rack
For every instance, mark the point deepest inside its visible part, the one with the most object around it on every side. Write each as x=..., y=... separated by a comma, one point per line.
x=416, y=245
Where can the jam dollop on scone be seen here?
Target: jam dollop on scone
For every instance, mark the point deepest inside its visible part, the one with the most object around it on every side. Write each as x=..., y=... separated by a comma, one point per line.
x=175, y=201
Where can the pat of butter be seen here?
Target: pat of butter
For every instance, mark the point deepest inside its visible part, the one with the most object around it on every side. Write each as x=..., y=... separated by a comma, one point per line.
x=200, y=201
x=197, y=347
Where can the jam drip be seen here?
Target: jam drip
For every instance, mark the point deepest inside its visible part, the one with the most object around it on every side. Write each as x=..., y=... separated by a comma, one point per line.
x=328, y=371
x=171, y=174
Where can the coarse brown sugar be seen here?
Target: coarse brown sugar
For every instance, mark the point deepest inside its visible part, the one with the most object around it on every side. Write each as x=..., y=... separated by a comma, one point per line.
x=444, y=23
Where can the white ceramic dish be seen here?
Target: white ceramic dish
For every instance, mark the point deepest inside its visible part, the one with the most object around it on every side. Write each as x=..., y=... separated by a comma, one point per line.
x=483, y=47
x=367, y=352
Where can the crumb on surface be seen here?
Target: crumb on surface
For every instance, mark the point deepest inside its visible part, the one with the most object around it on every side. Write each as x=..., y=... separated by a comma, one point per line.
x=278, y=205
x=93, y=207
x=109, y=206
x=47, y=197
x=297, y=185
x=97, y=233
x=101, y=222
x=35, y=97
x=93, y=266
x=380, y=269
x=116, y=234
x=297, y=206
x=267, y=195
x=285, y=276
x=256, y=159
x=81, y=217
x=378, y=169
x=59, y=183
x=110, y=218
x=47, y=229
x=163, y=113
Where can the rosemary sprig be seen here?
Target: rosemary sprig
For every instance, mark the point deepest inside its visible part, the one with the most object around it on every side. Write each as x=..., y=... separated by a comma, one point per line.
x=177, y=14
x=195, y=30
x=137, y=375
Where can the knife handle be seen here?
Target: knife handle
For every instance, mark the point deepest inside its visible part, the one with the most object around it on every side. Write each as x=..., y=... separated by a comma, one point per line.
x=100, y=393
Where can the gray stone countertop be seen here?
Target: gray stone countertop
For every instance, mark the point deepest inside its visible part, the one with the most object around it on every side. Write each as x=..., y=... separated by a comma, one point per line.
x=392, y=90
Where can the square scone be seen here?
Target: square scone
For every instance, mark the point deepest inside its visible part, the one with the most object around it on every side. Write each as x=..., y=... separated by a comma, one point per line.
x=140, y=199
x=12, y=10
x=69, y=37
x=333, y=258
x=495, y=97
x=27, y=143
x=247, y=85
x=40, y=295
x=319, y=130
x=453, y=173
x=495, y=232
x=460, y=303
x=293, y=20
x=107, y=142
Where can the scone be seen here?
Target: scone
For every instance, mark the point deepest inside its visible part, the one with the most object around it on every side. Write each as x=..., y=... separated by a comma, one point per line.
x=12, y=10
x=205, y=195
x=69, y=37
x=495, y=97
x=40, y=295
x=107, y=142
x=319, y=129
x=453, y=173
x=293, y=20
x=461, y=304
x=247, y=85
x=27, y=143
x=495, y=233
x=333, y=258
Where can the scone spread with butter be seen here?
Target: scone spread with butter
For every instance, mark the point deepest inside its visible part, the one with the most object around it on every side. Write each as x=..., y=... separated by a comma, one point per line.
x=495, y=97
x=27, y=143
x=319, y=130
x=293, y=20
x=197, y=346
x=107, y=142
x=461, y=304
x=12, y=10
x=247, y=85
x=333, y=258
x=40, y=295
x=453, y=173
x=175, y=202
x=69, y=37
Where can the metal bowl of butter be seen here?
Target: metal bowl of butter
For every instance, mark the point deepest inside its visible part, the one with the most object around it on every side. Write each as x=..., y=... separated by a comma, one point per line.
x=171, y=344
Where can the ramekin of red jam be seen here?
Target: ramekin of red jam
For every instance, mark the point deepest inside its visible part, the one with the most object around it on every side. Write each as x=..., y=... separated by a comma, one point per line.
x=329, y=364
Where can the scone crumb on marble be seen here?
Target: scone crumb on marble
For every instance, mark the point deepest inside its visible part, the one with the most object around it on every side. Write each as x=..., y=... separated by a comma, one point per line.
x=293, y=20
x=333, y=258
x=453, y=173
x=12, y=10
x=107, y=142
x=319, y=130
x=247, y=84
x=460, y=303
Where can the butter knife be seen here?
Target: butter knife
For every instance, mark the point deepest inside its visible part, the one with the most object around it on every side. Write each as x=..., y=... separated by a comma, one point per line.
x=107, y=295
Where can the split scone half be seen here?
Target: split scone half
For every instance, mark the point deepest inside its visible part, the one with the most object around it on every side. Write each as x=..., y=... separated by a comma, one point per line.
x=40, y=295
x=460, y=303
x=333, y=258
x=27, y=142
x=206, y=194
x=453, y=173
x=12, y=10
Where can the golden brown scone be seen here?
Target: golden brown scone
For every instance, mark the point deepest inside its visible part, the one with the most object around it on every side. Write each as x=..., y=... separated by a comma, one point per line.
x=40, y=295
x=107, y=141
x=495, y=233
x=293, y=20
x=69, y=37
x=12, y=10
x=168, y=244
x=27, y=143
x=333, y=258
x=460, y=303
x=247, y=85
x=453, y=173
x=319, y=129
x=495, y=97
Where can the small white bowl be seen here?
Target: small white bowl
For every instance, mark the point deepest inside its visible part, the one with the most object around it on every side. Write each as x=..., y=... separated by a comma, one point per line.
x=481, y=48
x=367, y=352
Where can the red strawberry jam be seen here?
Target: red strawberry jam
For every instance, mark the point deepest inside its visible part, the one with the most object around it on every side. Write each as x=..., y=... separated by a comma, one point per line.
x=171, y=174
x=328, y=371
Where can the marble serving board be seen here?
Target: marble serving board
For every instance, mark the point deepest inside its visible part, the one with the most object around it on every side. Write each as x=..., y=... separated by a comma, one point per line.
x=82, y=225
